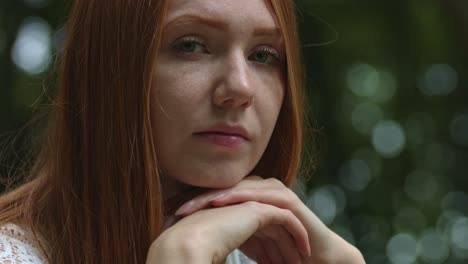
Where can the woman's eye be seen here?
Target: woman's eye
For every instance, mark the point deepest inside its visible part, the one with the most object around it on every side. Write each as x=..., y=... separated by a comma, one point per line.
x=265, y=56
x=190, y=45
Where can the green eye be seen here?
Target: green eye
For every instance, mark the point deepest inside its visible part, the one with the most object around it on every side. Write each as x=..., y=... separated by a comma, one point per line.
x=190, y=45
x=265, y=55
x=261, y=57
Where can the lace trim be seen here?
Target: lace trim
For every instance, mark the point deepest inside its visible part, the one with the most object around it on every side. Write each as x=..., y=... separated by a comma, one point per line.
x=237, y=257
x=17, y=246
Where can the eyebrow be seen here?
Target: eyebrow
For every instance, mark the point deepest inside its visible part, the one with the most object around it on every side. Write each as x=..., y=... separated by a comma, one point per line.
x=220, y=25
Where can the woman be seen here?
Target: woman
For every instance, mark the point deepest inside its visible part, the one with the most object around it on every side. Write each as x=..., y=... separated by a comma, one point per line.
x=177, y=128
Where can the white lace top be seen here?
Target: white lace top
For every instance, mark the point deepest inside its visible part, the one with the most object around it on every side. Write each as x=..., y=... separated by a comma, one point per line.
x=237, y=257
x=16, y=247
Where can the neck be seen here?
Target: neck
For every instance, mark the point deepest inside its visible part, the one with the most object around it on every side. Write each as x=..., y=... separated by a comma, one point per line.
x=176, y=193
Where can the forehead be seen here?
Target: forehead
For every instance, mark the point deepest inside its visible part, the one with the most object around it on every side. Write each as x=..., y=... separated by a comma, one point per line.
x=231, y=12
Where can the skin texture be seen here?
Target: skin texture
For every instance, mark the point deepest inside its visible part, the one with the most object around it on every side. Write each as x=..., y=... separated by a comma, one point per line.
x=325, y=246
x=227, y=71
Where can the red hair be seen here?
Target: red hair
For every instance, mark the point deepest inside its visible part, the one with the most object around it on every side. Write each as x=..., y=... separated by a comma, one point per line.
x=95, y=196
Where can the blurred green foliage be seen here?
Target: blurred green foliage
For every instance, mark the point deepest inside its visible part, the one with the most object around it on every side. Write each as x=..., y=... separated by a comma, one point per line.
x=388, y=89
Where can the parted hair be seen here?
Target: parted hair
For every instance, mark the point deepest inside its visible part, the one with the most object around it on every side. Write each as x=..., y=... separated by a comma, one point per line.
x=94, y=192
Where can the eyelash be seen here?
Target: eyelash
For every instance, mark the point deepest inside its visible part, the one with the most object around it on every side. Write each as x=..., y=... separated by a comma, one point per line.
x=178, y=45
x=270, y=51
x=178, y=48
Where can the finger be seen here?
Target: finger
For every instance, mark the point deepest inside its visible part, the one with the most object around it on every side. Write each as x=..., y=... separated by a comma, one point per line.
x=286, y=199
x=285, y=244
x=203, y=201
x=200, y=202
x=268, y=215
x=220, y=198
x=254, y=249
x=270, y=191
x=283, y=198
x=250, y=218
x=272, y=250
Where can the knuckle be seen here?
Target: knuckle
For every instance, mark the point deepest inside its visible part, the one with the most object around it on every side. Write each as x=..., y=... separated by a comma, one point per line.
x=252, y=205
x=290, y=196
x=287, y=213
x=275, y=182
x=287, y=217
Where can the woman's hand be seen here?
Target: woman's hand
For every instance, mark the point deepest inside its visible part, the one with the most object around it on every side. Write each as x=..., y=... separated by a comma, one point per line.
x=326, y=246
x=267, y=233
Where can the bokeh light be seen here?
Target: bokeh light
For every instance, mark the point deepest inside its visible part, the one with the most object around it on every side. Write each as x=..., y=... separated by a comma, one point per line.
x=433, y=248
x=459, y=237
x=364, y=80
x=389, y=97
x=32, y=48
x=388, y=138
x=327, y=202
x=402, y=249
x=445, y=221
x=355, y=175
x=438, y=79
x=386, y=89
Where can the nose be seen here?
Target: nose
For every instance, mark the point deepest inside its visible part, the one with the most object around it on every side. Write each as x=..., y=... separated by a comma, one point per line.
x=234, y=89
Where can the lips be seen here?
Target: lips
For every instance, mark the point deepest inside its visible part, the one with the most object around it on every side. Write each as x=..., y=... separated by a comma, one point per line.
x=226, y=130
x=225, y=135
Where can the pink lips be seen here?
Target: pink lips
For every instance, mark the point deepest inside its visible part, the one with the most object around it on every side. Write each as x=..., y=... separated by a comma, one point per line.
x=224, y=135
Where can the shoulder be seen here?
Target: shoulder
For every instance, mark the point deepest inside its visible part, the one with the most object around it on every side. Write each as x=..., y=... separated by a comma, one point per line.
x=17, y=246
x=236, y=257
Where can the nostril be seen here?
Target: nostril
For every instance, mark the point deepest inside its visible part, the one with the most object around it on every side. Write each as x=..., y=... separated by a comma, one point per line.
x=228, y=102
x=248, y=102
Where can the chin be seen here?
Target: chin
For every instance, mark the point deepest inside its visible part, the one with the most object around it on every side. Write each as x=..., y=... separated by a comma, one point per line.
x=215, y=179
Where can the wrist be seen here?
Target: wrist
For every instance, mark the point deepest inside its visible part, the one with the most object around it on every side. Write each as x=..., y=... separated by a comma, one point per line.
x=168, y=249
x=339, y=251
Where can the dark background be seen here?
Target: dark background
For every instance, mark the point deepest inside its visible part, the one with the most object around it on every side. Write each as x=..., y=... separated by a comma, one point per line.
x=388, y=89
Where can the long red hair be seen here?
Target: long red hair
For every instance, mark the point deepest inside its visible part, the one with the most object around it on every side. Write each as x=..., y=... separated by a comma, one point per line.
x=94, y=195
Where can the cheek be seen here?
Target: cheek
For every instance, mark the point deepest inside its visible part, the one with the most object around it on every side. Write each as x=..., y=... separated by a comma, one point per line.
x=173, y=90
x=171, y=105
x=182, y=101
x=180, y=95
x=270, y=103
x=267, y=107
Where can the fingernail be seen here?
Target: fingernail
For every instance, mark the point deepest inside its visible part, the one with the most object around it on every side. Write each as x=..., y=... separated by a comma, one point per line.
x=185, y=208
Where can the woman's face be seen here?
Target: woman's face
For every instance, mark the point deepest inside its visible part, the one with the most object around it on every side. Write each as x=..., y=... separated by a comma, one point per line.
x=218, y=89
